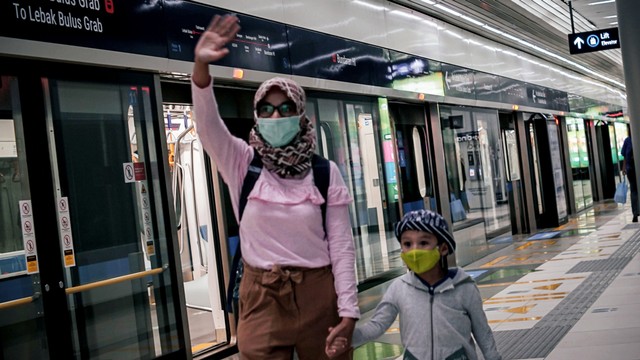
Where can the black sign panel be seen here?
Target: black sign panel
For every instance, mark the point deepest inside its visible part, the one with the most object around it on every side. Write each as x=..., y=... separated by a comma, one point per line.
x=488, y=86
x=591, y=41
x=260, y=44
x=132, y=26
x=513, y=92
x=558, y=100
x=411, y=73
x=328, y=57
x=458, y=82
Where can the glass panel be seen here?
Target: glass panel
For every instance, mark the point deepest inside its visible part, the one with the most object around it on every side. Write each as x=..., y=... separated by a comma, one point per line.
x=535, y=163
x=107, y=172
x=556, y=167
x=349, y=130
x=620, y=131
x=584, y=165
x=475, y=168
x=510, y=145
x=416, y=182
x=579, y=159
x=418, y=145
x=22, y=334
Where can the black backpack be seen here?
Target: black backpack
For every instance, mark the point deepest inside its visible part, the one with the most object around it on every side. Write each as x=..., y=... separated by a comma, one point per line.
x=321, y=172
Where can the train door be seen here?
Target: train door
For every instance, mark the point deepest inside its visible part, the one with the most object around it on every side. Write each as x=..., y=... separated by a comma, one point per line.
x=349, y=134
x=93, y=210
x=513, y=181
x=619, y=132
x=607, y=165
x=580, y=162
x=196, y=233
x=21, y=305
x=477, y=186
x=207, y=230
x=547, y=177
x=415, y=185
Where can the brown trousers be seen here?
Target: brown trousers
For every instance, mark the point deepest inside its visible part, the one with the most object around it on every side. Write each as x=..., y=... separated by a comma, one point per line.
x=286, y=309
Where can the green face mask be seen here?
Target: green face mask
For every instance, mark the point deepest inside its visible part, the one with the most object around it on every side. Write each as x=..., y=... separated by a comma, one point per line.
x=420, y=261
x=280, y=131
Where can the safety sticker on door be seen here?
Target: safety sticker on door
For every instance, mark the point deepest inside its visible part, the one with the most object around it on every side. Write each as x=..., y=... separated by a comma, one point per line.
x=66, y=238
x=29, y=237
x=133, y=172
x=148, y=236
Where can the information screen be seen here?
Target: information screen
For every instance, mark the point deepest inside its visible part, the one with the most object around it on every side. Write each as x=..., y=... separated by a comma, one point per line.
x=458, y=82
x=132, y=26
x=328, y=57
x=260, y=44
x=487, y=86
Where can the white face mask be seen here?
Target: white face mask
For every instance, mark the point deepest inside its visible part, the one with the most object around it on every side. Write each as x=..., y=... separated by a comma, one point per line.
x=279, y=131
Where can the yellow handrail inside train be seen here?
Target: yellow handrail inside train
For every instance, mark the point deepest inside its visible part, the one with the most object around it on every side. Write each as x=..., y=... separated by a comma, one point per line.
x=115, y=280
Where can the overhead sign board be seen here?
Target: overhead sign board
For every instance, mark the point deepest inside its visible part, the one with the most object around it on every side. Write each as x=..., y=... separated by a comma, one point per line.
x=603, y=39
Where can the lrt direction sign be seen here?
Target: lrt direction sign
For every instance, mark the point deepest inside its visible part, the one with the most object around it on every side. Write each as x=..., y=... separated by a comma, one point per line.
x=591, y=41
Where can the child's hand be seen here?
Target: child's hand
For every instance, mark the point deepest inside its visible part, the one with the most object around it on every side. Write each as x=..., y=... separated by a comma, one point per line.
x=339, y=346
x=336, y=344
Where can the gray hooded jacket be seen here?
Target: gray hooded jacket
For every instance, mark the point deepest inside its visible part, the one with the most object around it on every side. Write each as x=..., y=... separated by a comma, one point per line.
x=433, y=327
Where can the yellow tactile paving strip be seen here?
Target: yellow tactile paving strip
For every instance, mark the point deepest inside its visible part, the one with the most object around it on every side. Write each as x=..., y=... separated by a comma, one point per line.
x=532, y=281
x=539, y=291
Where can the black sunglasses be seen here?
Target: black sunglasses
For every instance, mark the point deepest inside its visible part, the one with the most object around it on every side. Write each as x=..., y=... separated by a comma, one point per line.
x=287, y=108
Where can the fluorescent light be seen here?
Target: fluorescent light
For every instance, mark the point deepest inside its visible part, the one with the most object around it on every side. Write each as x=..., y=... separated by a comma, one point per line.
x=611, y=17
x=429, y=2
x=613, y=23
x=472, y=20
x=601, y=2
x=446, y=9
x=375, y=7
x=454, y=34
x=407, y=15
x=497, y=31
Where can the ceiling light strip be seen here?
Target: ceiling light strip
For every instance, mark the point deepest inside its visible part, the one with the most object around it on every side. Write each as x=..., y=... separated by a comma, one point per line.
x=535, y=47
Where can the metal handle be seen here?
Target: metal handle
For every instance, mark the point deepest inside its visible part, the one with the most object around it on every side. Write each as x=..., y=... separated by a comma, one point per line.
x=18, y=302
x=115, y=280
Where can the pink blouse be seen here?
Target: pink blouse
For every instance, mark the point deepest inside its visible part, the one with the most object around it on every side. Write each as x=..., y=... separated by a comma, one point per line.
x=282, y=221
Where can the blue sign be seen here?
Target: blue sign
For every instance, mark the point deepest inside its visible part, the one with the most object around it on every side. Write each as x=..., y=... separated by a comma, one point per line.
x=591, y=41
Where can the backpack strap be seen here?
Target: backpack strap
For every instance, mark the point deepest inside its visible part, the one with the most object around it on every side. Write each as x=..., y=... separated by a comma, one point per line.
x=253, y=173
x=321, y=172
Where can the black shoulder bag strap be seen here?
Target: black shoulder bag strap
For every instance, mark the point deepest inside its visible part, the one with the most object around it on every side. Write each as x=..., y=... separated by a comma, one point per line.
x=321, y=174
x=253, y=173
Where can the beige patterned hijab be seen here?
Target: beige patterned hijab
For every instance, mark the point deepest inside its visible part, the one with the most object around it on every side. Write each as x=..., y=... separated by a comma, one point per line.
x=295, y=158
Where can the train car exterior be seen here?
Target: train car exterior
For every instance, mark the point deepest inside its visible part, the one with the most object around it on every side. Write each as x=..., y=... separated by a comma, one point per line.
x=117, y=231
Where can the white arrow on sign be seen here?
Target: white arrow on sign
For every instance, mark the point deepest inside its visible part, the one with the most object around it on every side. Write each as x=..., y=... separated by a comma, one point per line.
x=578, y=42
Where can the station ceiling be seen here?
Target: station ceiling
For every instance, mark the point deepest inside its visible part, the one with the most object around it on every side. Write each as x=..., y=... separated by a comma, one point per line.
x=544, y=23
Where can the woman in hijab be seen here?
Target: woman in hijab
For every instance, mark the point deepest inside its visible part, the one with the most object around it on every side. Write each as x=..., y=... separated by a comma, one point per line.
x=298, y=282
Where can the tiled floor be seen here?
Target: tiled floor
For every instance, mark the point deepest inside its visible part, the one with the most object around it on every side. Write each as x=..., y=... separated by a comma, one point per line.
x=535, y=303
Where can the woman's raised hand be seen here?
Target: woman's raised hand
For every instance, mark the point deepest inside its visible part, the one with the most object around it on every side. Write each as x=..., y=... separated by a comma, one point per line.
x=211, y=45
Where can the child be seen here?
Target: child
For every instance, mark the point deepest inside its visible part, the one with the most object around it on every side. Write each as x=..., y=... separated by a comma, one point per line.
x=439, y=308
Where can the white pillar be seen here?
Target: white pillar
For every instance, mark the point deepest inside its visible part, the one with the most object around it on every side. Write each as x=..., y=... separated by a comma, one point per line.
x=629, y=29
